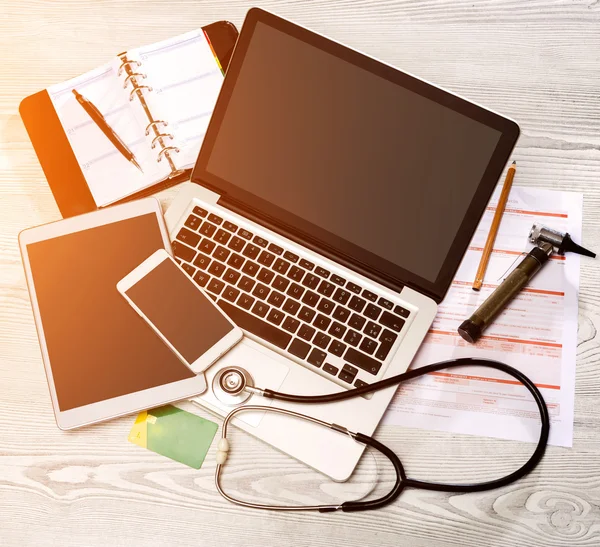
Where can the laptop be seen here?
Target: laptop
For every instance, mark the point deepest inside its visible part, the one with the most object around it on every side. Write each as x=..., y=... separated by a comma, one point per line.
x=331, y=204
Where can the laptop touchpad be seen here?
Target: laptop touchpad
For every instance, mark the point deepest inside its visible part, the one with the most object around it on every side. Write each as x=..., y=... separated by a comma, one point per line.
x=267, y=372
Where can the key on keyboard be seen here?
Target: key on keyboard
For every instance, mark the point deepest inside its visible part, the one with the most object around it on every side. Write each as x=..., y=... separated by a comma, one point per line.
x=256, y=326
x=180, y=250
x=188, y=237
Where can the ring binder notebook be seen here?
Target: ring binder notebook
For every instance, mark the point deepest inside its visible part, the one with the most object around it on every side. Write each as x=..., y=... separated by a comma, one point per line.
x=157, y=99
x=159, y=138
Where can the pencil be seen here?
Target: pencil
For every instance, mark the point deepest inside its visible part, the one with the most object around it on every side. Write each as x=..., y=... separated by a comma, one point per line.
x=489, y=244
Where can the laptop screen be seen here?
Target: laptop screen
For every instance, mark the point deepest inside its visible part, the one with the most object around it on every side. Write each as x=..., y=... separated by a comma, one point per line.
x=348, y=155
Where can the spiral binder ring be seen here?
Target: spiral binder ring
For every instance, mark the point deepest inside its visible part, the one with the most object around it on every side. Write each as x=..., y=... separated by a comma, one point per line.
x=160, y=136
x=125, y=64
x=154, y=125
x=132, y=92
x=133, y=78
x=133, y=75
x=163, y=152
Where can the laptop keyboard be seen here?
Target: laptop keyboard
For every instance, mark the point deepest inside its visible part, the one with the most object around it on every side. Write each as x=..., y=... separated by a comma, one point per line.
x=289, y=301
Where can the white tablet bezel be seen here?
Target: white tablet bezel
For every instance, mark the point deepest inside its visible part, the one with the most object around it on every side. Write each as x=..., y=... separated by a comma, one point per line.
x=209, y=356
x=124, y=404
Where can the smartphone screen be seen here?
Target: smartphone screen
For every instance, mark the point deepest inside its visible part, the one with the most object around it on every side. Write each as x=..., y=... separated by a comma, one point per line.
x=179, y=310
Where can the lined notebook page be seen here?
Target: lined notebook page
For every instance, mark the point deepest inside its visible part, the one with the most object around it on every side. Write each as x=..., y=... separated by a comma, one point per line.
x=108, y=174
x=186, y=79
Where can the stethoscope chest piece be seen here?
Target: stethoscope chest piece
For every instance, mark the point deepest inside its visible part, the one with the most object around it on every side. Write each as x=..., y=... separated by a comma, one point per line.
x=229, y=385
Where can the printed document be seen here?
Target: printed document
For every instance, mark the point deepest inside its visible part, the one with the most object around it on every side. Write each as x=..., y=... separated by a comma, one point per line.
x=536, y=333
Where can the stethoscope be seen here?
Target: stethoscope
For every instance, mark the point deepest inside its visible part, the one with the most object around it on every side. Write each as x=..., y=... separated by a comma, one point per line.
x=235, y=384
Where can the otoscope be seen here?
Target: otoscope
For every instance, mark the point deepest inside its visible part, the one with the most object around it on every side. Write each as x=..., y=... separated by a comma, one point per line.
x=547, y=241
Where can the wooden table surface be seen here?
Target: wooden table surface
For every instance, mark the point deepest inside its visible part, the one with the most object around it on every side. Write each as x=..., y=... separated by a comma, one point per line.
x=537, y=61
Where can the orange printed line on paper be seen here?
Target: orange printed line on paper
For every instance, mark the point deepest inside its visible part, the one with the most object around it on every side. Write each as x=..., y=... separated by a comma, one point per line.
x=501, y=339
x=526, y=289
x=486, y=379
x=535, y=213
x=507, y=252
x=542, y=291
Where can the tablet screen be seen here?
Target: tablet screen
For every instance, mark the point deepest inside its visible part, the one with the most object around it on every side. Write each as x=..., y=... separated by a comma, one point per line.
x=99, y=347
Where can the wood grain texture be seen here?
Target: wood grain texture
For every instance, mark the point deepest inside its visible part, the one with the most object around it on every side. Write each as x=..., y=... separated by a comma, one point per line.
x=537, y=61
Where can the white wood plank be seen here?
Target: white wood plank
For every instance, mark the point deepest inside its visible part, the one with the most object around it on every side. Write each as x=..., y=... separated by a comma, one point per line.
x=537, y=61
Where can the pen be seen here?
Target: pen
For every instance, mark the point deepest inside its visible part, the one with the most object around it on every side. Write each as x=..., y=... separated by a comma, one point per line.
x=489, y=244
x=101, y=122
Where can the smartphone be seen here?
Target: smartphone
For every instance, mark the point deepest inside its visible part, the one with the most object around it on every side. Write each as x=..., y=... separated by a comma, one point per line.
x=180, y=312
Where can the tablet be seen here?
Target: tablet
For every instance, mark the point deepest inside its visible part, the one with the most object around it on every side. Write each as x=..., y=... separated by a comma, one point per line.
x=101, y=359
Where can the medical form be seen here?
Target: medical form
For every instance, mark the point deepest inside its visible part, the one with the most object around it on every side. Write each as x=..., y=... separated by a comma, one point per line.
x=536, y=333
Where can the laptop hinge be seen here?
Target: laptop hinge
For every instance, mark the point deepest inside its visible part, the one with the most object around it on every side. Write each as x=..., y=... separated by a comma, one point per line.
x=307, y=241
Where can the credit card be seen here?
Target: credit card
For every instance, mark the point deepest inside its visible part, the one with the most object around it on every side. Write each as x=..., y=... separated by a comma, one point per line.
x=174, y=433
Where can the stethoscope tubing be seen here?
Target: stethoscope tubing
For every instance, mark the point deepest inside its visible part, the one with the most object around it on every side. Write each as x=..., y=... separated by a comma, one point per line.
x=262, y=408
x=402, y=480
